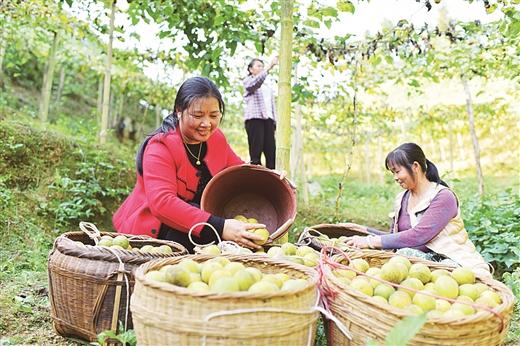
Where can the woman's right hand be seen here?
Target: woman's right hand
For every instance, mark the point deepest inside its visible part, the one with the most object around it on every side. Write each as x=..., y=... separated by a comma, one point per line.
x=273, y=63
x=237, y=231
x=355, y=226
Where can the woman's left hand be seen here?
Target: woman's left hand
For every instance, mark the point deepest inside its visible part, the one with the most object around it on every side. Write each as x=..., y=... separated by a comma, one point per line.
x=358, y=242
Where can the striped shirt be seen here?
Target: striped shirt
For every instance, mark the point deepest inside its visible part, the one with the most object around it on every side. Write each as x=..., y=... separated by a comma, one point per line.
x=256, y=105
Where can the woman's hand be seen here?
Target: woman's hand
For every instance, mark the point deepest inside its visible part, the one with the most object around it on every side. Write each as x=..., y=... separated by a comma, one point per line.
x=371, y=241
x=355, y=226
x=237, y=231
x=273, y=63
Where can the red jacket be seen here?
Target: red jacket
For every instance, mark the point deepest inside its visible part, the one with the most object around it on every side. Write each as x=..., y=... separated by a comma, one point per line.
x=168, y=180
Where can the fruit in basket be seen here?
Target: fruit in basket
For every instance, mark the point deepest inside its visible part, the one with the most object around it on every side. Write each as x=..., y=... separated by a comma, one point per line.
x=469, y=290
x=466, y=309
x=289, y=249
x=414, y=309
x=413, y=283
x=224, y=285
x=190, y=265
x=244, y=279
x=263, y=233
x=446, y=286
x=199, y=286
x=263, y=287
x=491, y=295
x=453, y=313
x=156, y=275
x=393, y=272
x=442, y=305
x=384, y=290
x=241, y=218
x=437, y=273
x=146, y=248
x=121, y=240
x=426, y=303
x=252, y=220
x=400, y=299
x=402, y=260
x=165, y=249
x=375, y=272
x=275, y=251
x=311, y=259
x=349, y=274
x=178, y=276
x=363, y=285
x=379, y=300
x=211, y=250
x=245, y=251
x=420, y=271
x=233, y=267
x=117, y=247
x=463, y=275
x=273, y=279
x=360, y=264
x=294, y=284
x=257, y=274
x=208, y=268
x=481, y=287
x=105, y=241
x=217, y=274
x=303, y=250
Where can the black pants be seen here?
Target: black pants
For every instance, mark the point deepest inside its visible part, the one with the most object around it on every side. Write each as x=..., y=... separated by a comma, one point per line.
x=260, y=137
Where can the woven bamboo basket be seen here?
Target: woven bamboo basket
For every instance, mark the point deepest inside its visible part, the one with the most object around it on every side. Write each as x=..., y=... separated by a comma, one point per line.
x=165, y=314
x=89, y=287
x=366, y=319
x=310, y=235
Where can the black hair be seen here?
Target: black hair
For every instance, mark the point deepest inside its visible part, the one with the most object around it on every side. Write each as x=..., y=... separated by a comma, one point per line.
x=408, y=153
x=252, y=63
x=192, y=89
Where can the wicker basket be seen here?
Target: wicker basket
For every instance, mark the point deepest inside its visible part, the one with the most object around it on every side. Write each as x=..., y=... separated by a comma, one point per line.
x=366, y=319
x=88, y=285
x=309, y=236
x=167, y=314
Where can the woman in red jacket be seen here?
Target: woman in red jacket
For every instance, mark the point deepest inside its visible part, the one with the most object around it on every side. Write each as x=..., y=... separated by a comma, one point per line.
x=174, y=165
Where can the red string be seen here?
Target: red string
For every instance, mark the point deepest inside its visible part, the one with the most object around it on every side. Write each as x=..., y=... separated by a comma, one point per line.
x=330, y=293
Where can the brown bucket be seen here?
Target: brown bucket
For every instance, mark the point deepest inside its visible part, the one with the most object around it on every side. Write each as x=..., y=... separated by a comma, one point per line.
x=255, y=192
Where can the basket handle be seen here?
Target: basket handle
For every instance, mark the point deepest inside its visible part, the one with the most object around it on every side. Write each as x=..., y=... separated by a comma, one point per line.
x=91, y=230
x=281, y=230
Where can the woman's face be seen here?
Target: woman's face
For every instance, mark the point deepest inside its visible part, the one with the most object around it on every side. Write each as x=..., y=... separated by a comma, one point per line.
x=403, y=177
x=257, y=67
x=200, y=120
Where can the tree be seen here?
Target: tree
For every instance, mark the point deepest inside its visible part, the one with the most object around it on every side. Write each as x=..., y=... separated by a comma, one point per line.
x=106, y=84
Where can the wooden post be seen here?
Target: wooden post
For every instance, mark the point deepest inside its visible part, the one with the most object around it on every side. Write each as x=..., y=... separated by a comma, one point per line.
x=48, y=75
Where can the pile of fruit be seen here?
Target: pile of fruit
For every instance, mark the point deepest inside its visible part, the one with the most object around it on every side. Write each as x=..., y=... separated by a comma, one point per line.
x=120, y=242
x=460, y=285
x=220, y=275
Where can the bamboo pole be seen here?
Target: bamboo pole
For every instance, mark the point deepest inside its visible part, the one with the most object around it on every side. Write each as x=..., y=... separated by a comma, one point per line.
x=106, y=85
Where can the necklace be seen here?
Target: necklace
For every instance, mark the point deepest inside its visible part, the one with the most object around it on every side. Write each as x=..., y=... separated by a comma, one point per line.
x=195, y=157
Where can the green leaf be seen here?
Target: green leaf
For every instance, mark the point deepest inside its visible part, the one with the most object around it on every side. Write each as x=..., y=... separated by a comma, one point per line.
x=405, y=330
x=311, y=23
x=329, y=11
x=345, y=6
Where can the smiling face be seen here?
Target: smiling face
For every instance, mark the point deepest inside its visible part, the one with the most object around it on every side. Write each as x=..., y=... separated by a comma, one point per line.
x=256, y=68
x=403, y=177
x=200, y=120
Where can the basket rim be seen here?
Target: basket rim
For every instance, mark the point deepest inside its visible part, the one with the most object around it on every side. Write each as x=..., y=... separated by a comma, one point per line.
x=504, y=292
x=312, y=277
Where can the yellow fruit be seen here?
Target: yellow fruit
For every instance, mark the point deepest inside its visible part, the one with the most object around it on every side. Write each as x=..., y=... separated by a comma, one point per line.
x=430, y=287
x=222, y=260
x=156, y=276
x=466, y=309
x=117, y=247
x=252, y=220
x=311, y=259
x=393, y=272
x=349, y=274
x=463, y=275
x=379, y=300
x=121, y=240
x=282, y=277
x=491, y=295
x=446, y=286
x=296, y=260
x=178, y=276
x=146, y=248
x=481, y=287
x=195, y=277
x=244, y=279
x=453, y=314
x=241, y=218
x=303, y=250
x=401, y=259
x=384, y=290
x=400, y=299
x=208, y=268
x=420, y=271
x=273, y=279
x=363, y=285
x=360, y=264
x=263, y=287
x=486, y=301
x=294, y=284
x=412, y=283
x=289, y=249
x=442, y=305
x=199, y=286
x=211, y=250
x=263, y=233
x=224, y=285
x=233, y=267
x=260, y=251
x=434, y=314
x=426, y=303
x=165, y=249
x=105, y=241
x=438, y=273
x=275, y=251
x=245, y=251
x=166, y=267
x=468, y=290
x=190, y=265
x=257, y=274
x=375, y=272
x=217, y=274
